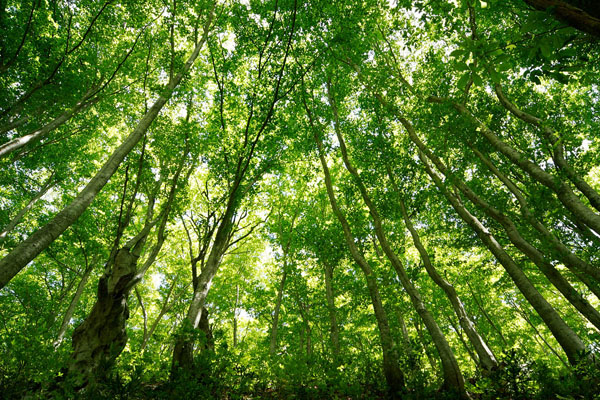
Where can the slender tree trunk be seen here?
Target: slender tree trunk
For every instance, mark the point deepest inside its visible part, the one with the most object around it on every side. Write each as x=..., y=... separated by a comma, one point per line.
x=183, y=356
x=144, y=314
x=568, y=339
x=334, y=329
x=72, y=306
x=453, y=378
x=235, y=311
x=21, y=255
x=587, y=273
x=563, y=191
x=538, y=334
x=38, y=134
x=393, y=374
x=405, y=337
x=165, y=307
x=535, y=255
x=557, y=148
x=495, y=327
x=459, y=334
x=275, y=322
x=430, y=358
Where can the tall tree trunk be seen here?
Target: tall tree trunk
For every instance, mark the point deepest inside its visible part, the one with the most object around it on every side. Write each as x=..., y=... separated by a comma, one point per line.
x=538, y=334
x=21, y=255
x=275, y=322
x=535, y=255
x=485, y=314
x=453, y=378
x=570, y=200
x=99, y=340
x=38, y=134
x=183, y=357
x=484, y=353
x=334, y=329
x=393, y=374
x=235, y=311
x=586, y=273
x=568, y=339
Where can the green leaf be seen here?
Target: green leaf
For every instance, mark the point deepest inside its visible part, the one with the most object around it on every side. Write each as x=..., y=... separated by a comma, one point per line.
x=457, y=53
x=462, y=66
x=462, y=82
x=477, y=80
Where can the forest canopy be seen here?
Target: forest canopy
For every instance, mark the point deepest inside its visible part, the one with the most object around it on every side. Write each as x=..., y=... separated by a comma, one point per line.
x=238, y=199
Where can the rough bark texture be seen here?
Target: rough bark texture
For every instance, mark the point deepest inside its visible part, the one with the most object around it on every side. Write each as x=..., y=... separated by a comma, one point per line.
x=183, y=352
x=99, y=340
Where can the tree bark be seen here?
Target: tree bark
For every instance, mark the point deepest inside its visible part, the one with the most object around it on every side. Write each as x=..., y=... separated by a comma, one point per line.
x=587, y=273
x=99, y=340
x=20, y=256
x=535, y=255
x=486, y=356
x=563, y=191
x=334, y=329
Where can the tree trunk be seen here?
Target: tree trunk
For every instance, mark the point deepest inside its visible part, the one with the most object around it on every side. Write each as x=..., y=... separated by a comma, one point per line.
x=334, y=330
x=72, y=306
x=484, y=353
x=453, y=378
x=393, y=374
x=485, y=314
x=20, y=256
x=235, y=311
x=165, y=307
x=275, y=322
x=587, y=273
x=568, y=339
x=535, y=255
x=563, y=191
x=99, y=340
